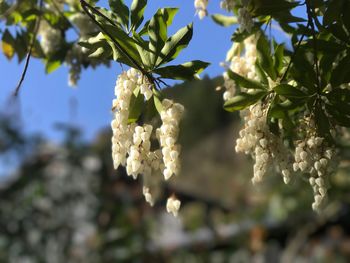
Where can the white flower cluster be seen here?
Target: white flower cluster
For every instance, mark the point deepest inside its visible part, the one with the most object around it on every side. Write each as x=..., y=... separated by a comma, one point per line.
x=314, y=157
x=50, y=38
x=173, y=205
x=266, y=149
x=227, y=4
x=167, y=135
x=201, y=8
x=131, y=144
x=136, y=163
x=243, y=65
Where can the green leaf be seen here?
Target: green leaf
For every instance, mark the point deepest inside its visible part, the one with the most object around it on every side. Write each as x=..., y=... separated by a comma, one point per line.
x=341, y=72
x=136, y=13
x=121, y=10
x=272, y=7
x=243, y=100
x=186, y=71
x=157, y=31
x=278, y=58
x=339, y=117
x=7, y=45
x=303, y=72
x=157, y=103
x=340, y=100
x=223, y=20
x=244, y=82
x=322, y=123
x=127, y=44
x=326, y=46
x=261, y=74
x=52, y=65
x=169, y=14
x=137, y=103
x=144, y=29
x=265, y=57
x=175, y=44
x=289, y=91
x=144, y=51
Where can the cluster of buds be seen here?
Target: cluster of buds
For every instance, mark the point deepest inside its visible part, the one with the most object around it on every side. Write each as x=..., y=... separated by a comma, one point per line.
x=314, y=157
x=201, y=7
x=167, y=135
x=243, y=65
x=131, y=143
x=265, y=148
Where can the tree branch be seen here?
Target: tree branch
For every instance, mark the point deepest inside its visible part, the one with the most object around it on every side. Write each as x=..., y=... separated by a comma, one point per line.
x=30, y=48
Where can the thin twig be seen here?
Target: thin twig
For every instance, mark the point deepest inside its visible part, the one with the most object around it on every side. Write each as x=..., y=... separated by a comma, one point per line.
x=30, y=49
x=163, y=82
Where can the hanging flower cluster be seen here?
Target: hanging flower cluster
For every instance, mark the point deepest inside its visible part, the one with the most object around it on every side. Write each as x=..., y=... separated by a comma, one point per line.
x=131, y=143
x=315, y=157
x=312, y=154
x=243, y=65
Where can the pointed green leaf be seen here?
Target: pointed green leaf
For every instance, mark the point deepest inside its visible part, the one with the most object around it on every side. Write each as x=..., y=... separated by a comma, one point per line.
x=265, y=57
x=175, y=44
x=137, y=103
x=243, y=100
x=157, y=31
x=341, y=72
x=128, y=45
x=289, y=91
x=52, y=65
x=278, y=58
x=136, y=13
x=261, y=74
x=186, y=71
x=244, y=82
x=121, y=10
x=8, y=43
x=223, y=20
x=157, y=104
x=144, y=51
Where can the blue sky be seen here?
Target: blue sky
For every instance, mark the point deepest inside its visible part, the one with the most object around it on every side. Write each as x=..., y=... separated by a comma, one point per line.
x=46, y=99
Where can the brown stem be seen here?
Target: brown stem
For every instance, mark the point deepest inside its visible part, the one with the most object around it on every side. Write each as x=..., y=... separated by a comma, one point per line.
x=30, y=48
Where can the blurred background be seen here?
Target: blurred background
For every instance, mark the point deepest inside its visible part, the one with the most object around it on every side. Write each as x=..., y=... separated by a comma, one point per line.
x=62, y=201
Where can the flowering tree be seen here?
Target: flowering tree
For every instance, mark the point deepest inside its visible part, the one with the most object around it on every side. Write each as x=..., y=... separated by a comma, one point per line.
x=294, y=101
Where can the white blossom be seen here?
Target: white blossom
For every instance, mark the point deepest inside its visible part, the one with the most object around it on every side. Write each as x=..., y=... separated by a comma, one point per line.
x=173, y=205
x=167, y=135
x=313, y=156
x=241, y=64
x=201, y=8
